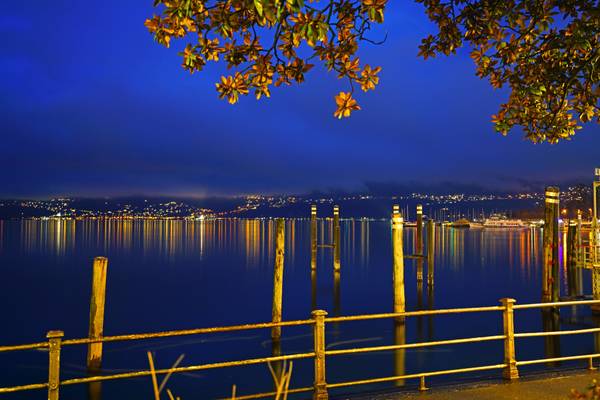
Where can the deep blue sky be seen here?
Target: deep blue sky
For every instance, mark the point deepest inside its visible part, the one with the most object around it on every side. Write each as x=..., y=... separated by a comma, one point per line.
x=90, y=105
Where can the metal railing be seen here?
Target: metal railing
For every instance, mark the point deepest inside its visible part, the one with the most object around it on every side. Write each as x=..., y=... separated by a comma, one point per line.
x=319, y=320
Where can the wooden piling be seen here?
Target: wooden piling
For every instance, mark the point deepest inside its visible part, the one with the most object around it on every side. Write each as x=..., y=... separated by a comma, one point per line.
x=419, y=237
x=336, y=238
x=97, y=302
x=313, y=237
x=550, y=268
x=572, y=258
x=398, y=262
x=278, y=277
x=430, y=251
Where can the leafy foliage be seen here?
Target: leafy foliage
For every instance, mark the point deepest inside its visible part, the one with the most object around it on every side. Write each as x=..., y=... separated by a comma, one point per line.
x=545, y=51
x=272, y=42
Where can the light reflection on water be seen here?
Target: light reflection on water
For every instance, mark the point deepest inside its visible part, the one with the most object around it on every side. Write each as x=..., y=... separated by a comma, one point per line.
x=170, y=239
x=172, y=274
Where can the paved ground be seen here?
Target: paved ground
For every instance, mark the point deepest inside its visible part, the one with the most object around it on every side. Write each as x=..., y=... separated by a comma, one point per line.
x=547, y=387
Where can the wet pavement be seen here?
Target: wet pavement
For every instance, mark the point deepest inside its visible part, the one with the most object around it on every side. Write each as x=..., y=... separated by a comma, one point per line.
x=546, y=387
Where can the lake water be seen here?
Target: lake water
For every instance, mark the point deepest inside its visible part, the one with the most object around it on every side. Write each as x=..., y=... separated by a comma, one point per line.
x=166, y=275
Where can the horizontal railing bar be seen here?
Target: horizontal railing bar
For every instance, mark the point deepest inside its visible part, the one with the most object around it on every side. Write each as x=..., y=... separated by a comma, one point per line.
x=413, y=345
x=414, y=313
x=270, y=394
x=566, y=358
x=137, y=374
x=419, y=375
x=19, y=347
x=556, y=304
x=198, y=331
x=556, y=333
x=21, y=388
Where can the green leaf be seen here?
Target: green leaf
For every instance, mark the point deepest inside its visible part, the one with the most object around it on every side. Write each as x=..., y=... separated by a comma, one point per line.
x=259, y=7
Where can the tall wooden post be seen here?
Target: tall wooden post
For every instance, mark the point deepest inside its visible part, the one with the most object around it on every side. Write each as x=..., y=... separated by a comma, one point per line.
x=313, y=237
x=550, y=269
x=595, y=226
x=510, y=370
x=278, y=277
x=595, y=243
x=97, y=302
x=419, y=238
x=572, y=258
x=320, y=383
x=54, y=339
x=336, y=238
x=430, y=251
x=398, y=259
x=595, y=187
x=579, y=237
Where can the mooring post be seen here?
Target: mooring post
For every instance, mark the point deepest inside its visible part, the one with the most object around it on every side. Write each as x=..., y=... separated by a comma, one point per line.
x=97, y=302
x=419, y=238
x=572, y=258
x=313, y=237
x=398, y=261
x=550, y=270
x=278, y=277
x=320, y=384
x=595, y=288
x=430, y=251
x=595, y=250
x=579, y=238
x=508, y=318
x=336, y=238
x=54, y=343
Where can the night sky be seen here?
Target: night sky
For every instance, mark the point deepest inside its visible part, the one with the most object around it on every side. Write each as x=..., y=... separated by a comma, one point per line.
x=90, y=105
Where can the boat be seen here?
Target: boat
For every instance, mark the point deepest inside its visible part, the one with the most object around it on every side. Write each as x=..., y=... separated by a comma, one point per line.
x=499, y=221
x=461, y=223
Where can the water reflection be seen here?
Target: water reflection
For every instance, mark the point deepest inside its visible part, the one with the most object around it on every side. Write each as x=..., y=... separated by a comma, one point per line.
x=399, y=354
x=551, y=322
x=470, y=267
x=254, y=238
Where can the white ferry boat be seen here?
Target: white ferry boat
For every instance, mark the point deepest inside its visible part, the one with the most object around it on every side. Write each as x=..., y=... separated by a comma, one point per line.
x=497, y=221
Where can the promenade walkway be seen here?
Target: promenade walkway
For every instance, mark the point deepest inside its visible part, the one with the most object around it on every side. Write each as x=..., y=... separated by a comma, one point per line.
x=546, y=387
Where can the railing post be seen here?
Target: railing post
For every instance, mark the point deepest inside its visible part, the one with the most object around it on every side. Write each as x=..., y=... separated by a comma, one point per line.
x=320, y=385
x=508, y=317
x=54, y=340
x=97, y=302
